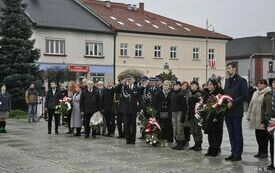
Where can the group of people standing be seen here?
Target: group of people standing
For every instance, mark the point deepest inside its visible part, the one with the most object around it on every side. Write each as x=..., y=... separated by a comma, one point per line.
x=174, y=103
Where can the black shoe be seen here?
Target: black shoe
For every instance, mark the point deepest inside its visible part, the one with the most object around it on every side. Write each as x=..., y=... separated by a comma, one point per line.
x=270, y=167
x=238, y=158
x=133, y=142
x=128, y=142
x=215, y=153
x=86, y=136
x=94, y=136
x=4, y=131
x=77, y=134
x=209, y=152
x=49, y=132
x=120, y=137
x=142, y=137
x=229, y=158
x=257, y=155
x=176, y=145
x=263, y=156
x=180, y=145
x=192, y=148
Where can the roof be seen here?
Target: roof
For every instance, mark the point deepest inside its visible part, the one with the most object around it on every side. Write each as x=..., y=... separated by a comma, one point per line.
x=140, y=21
x=241, y=47
x=65, y=14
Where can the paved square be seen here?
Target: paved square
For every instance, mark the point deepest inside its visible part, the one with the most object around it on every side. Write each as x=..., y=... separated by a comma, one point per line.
x=27, y=148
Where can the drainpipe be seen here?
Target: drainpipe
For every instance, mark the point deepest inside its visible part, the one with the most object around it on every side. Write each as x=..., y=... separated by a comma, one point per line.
x=115, y=36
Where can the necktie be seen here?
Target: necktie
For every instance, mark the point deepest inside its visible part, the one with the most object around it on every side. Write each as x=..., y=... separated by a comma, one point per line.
x=273, y=101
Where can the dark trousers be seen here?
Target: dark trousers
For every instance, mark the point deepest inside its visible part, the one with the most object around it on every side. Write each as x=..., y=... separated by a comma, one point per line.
x=110, y=122
x=51, y=114
x=130, y=127
x=164, y=124
x=120, y=124
x=86, y=123
x=234, y=127
x=215, y=133
x=271, y=142
x=262, y=140
x=187, y=133
x=170, y=130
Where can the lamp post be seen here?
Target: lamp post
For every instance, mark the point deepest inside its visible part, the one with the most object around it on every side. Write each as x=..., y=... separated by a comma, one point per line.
x=166, y=68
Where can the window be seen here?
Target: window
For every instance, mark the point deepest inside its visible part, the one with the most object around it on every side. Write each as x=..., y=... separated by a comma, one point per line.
x=211, y=54
x=196, y=53
x=196, y=79
x=138, y=50
x=94, y=49
x=173, y=52
x=96, y=77
x=123, y=49
x=157, y=51
x=54, y=46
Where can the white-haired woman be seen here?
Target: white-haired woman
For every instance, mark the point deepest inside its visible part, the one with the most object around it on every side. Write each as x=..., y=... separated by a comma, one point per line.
x=5, y=107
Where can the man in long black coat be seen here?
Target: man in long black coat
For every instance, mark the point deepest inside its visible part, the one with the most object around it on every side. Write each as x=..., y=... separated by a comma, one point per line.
x=108, y=108
x=89, y=104
x=131, y=94
x=236, y=87
x=52, y=99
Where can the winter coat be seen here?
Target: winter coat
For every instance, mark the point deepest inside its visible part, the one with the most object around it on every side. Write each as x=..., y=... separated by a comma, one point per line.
x=193, y=98
x=108, y=100
x=5, y=102
x=89, y=101
x=130, y=99
x=255, y=108
x=178, y=102
x=236, y=87
x=164, y=102
x=266, y=110
x=76, y=118
x=53, y=100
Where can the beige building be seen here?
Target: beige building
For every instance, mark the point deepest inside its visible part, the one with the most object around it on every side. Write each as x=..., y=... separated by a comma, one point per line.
x=185, y=56
x=147, y=41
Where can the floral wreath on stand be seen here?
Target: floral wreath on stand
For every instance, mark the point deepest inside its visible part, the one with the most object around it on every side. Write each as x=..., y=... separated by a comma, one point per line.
x=150, y=126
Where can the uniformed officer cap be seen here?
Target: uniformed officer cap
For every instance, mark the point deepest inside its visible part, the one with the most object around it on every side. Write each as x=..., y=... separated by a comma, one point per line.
x=143, y=78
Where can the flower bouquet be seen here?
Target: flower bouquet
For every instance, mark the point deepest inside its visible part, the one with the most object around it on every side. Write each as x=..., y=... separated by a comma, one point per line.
x=63, y=107
x=216, y=105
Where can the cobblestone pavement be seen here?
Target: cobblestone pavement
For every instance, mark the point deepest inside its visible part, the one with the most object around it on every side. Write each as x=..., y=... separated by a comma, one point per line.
x=27, y=148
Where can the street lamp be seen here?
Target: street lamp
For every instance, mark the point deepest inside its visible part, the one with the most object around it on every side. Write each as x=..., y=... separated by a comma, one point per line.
x=166, y=68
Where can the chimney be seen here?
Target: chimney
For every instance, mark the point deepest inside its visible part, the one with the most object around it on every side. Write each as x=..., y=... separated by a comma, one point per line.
x=129, y=7
x=141, y=6
x=108, y=4
x=135, y=7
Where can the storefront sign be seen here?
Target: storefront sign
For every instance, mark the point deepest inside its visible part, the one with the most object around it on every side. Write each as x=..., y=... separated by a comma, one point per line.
x=79, y=68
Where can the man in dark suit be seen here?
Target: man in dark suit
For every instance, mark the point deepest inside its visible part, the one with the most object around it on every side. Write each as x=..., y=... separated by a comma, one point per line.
x=235, y=87
x=108, y=108
x=89, y=104
x=52, y=99
x=132, y=96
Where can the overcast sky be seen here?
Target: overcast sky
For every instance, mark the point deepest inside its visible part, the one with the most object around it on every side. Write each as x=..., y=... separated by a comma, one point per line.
x=235, y=18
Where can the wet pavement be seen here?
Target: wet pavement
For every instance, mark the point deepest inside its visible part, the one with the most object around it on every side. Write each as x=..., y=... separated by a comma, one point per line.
x=27, y=148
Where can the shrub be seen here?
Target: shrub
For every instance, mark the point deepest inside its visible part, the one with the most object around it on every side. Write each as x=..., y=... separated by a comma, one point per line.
x=18, y=114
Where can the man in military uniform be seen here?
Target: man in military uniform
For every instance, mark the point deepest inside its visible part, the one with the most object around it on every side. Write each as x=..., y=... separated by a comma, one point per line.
x=131, y=94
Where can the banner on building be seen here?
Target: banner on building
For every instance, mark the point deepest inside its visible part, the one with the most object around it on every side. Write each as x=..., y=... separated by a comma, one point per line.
x=79, y=68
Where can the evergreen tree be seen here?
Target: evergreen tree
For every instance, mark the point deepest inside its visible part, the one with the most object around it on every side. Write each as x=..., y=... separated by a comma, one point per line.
x=17, y=53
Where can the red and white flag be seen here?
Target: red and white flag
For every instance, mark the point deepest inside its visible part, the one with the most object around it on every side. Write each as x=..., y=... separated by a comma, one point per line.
x=212, y=63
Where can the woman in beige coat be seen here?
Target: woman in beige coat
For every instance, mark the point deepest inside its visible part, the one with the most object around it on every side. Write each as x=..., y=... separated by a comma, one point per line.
x=254, y=118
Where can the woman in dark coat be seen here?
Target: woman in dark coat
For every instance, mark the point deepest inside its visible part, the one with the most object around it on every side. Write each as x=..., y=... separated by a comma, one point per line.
x=214, y=125
x=5, y=108
x=164, y=112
